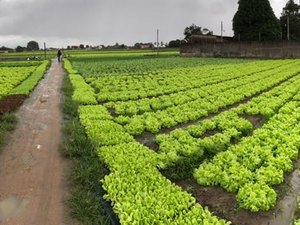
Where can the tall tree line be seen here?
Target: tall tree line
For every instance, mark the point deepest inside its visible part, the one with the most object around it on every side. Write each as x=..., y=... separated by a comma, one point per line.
x=255, y=21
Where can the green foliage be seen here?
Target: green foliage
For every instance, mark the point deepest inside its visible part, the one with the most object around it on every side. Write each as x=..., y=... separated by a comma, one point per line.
x=119, y=65
x=11, y=77
x=291, y=13
x=194, y=104
x=135, y=183
x=257, y=162
x=29, y=84
x=256, y=197
x=255, y=20
x=169, y=91
x=140, y=176
x=7, y=122
x=195, y=30
x=20, y=63
x=68, y=67
x=175, y=43
x=139, y=96
x=33, y=46
x=20, y=48
x=84, y=200
x=85, y=208
x=100, y=128
x=141, y=195
x=83, y=93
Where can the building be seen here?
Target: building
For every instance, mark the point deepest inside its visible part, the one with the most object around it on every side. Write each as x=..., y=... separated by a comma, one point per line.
x=198, y=39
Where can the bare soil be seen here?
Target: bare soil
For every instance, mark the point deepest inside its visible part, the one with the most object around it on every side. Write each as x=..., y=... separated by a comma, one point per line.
x=33, y=186
x=210, y=133
x=11, y=103
x=224, y=204
x=148, y=139
x=256, y=120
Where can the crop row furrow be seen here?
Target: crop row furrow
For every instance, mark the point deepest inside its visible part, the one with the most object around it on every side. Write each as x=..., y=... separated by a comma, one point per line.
x=192, y=111
x=189, y=145
x=130, y=108
x=179, y=81
x=258, y=162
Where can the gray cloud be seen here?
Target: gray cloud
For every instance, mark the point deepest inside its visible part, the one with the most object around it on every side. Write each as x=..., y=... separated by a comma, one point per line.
x=59, y=22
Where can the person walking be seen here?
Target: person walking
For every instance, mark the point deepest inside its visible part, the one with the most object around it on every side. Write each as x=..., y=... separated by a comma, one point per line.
x=59, y=55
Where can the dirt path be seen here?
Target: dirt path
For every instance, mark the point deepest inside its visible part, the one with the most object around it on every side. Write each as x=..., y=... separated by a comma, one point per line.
x=32, y=182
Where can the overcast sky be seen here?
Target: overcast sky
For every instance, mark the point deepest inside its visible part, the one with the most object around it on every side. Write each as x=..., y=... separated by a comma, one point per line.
x=71, y=22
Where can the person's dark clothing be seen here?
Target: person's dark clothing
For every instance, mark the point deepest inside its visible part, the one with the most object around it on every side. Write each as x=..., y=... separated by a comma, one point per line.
x=59, y=54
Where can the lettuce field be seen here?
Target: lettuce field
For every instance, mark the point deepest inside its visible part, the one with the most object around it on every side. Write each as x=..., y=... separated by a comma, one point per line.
x=190, y=140
x=17, y=80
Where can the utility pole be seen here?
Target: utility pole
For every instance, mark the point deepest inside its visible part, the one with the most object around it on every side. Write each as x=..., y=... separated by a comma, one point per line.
x=45, y=50
x=157, y=40
x=288, y=27
x=221, y=31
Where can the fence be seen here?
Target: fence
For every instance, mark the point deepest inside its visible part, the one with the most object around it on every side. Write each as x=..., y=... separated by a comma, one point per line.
x=272, y=50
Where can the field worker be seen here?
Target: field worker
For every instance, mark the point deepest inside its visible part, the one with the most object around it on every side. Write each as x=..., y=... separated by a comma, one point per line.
x=59, y=55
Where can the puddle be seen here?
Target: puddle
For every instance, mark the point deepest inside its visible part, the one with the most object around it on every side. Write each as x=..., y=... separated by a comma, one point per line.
x=10, y=207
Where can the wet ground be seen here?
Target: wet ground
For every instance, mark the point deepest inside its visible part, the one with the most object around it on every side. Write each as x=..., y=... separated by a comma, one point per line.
x=224, y=204
x=33, y=186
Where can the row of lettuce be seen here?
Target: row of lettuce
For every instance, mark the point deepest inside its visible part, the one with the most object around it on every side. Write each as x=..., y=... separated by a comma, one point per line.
x=20, y=77
x=137, y=190
x=258, y=162
x=227, y=127
x=262, y=155
x=127, y=64
x=165, y=82
x=297, y=219
x=248, y=160
x=154, y=114
x=202, y=86
x=204, y=102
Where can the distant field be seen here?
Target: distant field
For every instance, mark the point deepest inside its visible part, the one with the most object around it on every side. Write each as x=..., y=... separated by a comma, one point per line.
x=25, y=55
x=197, y=122
x=85, y=53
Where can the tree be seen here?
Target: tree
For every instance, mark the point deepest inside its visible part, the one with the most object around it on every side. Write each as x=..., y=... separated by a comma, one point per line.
x=143, y=45
x=81, y=46
x=191, y=30
x=33, y=46
x=174, y=43
x=291, y=12
x=195, y=30
x=20, y=49
x=255, y=20
x=3, y=48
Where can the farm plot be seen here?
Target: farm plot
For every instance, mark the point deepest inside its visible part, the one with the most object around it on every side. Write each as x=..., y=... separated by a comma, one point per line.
x=227, y=123
x=13, y=76
x=17, y=80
